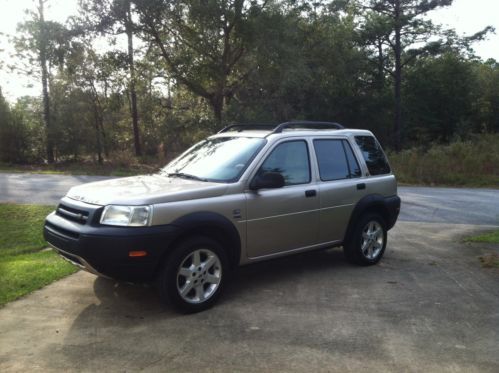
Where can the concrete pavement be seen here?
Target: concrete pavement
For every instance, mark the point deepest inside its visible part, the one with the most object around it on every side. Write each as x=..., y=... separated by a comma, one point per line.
x=428, y=306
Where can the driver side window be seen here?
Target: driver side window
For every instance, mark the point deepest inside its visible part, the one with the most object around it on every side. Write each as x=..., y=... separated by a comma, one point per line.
x=291, y=160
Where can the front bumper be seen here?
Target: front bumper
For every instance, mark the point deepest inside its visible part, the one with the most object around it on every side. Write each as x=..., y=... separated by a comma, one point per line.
x=104, y=250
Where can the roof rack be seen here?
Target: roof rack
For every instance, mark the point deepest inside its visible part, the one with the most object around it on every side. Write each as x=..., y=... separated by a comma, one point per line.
x=248, y=127
x=308, y=125
x=282, y=126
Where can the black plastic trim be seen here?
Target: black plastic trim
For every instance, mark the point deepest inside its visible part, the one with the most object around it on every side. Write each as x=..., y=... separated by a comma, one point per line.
x=308, y=125
x=278, y=128
x=106, y=248
x=213, y=224
x=388, y=207
x=248, y=127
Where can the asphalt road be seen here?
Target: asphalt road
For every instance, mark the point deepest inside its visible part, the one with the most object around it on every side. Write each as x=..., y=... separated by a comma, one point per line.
x=39, y=188
x=437, y=205
x=428, y=306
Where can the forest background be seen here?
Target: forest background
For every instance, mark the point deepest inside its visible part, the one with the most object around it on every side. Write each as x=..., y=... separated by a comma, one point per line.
x=171, y=72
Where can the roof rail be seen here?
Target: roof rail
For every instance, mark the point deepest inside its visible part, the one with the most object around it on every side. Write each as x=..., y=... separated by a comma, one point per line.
x=308, y=125
x=278, y=128
x=248, y=127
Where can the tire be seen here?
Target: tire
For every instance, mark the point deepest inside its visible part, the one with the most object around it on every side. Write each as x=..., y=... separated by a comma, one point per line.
x=193, y=277
x=367, y=243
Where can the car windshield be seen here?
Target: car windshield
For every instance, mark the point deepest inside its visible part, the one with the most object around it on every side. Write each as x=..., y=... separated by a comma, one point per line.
x=221, y=159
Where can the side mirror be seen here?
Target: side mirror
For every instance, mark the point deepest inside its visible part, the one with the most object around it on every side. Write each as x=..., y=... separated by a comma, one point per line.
x=269, y=180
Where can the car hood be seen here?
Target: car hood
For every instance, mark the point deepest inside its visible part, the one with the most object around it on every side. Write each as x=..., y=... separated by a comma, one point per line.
x=144, y=190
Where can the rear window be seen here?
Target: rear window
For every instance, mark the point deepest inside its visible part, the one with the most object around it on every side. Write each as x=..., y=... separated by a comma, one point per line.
x=373, y=155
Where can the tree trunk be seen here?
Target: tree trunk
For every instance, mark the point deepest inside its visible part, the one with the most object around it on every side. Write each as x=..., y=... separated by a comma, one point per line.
x=42, y=46
x=104, y=137
x=398, y=80
x=217, y=104
x=97, y=121
x=381, y=66
x=133, y=93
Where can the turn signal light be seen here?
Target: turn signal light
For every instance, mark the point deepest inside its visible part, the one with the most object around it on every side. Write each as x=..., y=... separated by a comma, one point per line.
x=134, y=254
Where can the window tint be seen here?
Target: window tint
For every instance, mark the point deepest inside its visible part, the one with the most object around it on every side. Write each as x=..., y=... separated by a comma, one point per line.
x=373, y=154
x=291, y=160
x=352, y=161
x=336, y=160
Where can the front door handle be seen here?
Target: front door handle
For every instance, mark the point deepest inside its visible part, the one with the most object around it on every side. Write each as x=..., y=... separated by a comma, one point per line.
x=310, y=193
x=361, y=186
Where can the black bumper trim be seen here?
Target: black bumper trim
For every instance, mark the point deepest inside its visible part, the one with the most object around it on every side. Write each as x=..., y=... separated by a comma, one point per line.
x=393, y=207
x=104, y=251
x=77, y=261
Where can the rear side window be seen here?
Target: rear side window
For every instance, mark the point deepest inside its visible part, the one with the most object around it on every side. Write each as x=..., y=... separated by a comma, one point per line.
x=336, y=160
x=373, y=154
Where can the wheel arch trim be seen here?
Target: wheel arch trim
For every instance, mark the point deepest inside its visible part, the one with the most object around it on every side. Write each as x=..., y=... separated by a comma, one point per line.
x=375, y=203
x=213, y=225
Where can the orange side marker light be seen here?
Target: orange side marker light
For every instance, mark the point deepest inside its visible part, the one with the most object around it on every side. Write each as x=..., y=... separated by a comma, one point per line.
x=135, y=254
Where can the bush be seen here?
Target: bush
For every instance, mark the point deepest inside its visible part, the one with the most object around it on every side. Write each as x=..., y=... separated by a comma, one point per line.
x=474, y=162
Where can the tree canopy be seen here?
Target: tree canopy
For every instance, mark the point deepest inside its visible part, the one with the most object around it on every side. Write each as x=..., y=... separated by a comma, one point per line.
x=173, y=71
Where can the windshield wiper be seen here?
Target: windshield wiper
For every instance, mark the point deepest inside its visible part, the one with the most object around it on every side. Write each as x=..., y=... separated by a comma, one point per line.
x=186, y=176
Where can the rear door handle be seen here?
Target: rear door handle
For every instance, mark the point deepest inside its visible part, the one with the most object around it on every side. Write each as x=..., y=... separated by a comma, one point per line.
x=361, y=186
x=310, y=193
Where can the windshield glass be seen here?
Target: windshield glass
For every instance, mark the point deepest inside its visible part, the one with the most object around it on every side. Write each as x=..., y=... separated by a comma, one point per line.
x=221, y=159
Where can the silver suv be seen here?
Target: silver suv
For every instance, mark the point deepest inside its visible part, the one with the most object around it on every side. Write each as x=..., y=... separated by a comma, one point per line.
x=248, y=193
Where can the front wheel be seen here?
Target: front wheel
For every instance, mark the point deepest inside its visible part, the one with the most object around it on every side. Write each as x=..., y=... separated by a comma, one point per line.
x=194, y=275
x=367, y=243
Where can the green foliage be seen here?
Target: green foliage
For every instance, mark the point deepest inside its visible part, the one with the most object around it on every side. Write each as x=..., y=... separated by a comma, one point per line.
x=201, y=65
x=439, y=99
x=23, y=267
x=18, y=131
x=474, y=163
x=486, y=96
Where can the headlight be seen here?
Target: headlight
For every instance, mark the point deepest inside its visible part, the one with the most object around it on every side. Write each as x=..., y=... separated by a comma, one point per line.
x=135, y=216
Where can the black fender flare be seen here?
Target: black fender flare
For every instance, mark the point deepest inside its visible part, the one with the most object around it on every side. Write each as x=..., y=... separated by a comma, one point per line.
x=387, y=207
x=214, y=225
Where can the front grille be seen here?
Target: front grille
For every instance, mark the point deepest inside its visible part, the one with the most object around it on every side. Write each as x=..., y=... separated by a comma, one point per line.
x=70, y=213
x=61, y=231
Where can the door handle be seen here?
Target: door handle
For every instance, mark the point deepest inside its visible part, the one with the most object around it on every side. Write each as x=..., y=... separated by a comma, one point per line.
x=310, y=193
x=361, y=186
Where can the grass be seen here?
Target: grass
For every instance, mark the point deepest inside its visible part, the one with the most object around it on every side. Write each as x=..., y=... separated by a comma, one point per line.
x=490, y=260
x=471, y=163
x=24, y=265
x=489, y=237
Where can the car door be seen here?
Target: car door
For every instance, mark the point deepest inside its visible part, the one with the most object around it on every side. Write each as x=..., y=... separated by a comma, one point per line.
x=340, y=186
x=286, y=218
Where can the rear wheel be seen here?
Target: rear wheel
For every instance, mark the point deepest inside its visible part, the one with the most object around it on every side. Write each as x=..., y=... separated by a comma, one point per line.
x=193, y=277
x=367, y=243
